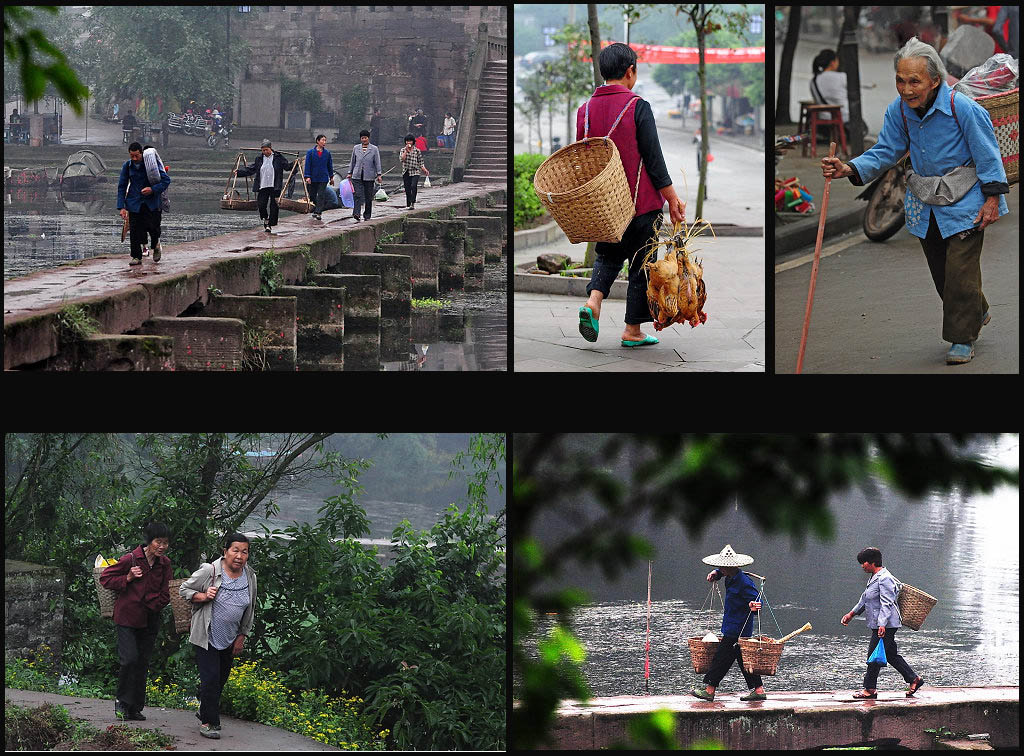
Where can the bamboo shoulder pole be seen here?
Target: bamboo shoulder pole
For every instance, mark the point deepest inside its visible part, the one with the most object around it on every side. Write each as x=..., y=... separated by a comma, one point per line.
x=814, y=269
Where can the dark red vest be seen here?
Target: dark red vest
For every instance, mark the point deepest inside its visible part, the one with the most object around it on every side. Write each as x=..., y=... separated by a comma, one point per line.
x=605, y=106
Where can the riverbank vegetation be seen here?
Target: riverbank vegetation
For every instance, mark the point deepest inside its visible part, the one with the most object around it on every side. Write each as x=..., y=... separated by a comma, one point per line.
x=352, y=652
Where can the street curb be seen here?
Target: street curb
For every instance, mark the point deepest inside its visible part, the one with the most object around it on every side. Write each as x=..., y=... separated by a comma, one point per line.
x=538, y=237
x=566, y=286
x=805, y=234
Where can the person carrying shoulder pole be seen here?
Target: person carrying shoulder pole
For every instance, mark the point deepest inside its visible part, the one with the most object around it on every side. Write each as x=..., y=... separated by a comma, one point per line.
x=269, y=169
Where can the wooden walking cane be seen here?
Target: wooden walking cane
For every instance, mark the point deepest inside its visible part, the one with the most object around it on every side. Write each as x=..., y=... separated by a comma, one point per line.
x=814, y=269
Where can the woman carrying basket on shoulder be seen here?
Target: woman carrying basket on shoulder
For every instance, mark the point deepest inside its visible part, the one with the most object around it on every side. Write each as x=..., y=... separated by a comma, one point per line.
x=740, y=603
x=883, y=616
x=615, y=111
x=140, y=580
x=223, y=593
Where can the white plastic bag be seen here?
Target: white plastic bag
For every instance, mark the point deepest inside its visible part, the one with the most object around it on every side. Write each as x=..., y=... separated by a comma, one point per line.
x=997, y=74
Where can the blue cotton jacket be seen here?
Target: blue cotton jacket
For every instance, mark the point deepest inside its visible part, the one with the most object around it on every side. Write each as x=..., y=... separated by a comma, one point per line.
x=134, y=178
x=879, y=600
x=937, y=145
x=319, y=167
x=739, y=592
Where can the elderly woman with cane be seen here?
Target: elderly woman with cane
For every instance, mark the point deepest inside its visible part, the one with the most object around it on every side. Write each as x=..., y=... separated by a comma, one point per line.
x=740, y=600
x=223, y=593
x=883, y=616
x=954, y=189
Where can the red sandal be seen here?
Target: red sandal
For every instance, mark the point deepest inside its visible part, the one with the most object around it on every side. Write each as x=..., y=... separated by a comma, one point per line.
x=914, y=687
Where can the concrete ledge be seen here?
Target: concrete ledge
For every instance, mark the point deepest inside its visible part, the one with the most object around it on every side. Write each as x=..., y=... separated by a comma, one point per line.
x=568, y=286
x=795, y=719
x=804, y=232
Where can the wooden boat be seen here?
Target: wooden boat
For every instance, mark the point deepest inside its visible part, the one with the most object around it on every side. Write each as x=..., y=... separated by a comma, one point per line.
x=83, y=171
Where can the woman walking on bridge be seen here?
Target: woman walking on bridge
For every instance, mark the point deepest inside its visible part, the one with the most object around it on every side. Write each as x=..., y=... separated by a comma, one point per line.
x=223, y=593
x=883, y=616
x=140, y=580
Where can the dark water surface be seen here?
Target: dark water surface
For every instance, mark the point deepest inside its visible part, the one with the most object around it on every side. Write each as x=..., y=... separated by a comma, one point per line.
x=964, y=550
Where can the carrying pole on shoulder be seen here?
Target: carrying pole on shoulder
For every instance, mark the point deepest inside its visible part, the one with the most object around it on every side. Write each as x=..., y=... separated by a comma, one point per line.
x=647, y=658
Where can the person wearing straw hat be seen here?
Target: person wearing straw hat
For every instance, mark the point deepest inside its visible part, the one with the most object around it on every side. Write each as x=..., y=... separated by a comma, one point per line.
x=140, y=580
x=740, y=601
x=630, y=125
x=223, y=593
x=954, y=190
x=883, y=616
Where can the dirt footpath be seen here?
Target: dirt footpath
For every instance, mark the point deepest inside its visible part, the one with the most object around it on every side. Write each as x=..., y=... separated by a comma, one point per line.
x=236, y=734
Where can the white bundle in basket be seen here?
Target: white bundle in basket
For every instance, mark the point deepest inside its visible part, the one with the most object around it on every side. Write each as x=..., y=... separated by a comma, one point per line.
x=710, y=638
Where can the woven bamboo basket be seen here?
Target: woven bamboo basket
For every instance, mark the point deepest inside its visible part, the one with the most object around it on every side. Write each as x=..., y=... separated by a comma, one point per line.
x=238, y=204
x=182, y=609
x=761, y=654
x=701, y=654
x=296, y=206
x=1003, y=110
x=583, y=187
x=106, y=596
x=914, y=605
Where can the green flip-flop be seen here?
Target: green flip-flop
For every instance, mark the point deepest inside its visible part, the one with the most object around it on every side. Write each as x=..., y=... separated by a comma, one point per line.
x=588, y=325
x=647, y=340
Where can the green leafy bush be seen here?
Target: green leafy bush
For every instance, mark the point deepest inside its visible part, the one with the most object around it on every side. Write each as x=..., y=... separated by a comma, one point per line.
x=526, y=205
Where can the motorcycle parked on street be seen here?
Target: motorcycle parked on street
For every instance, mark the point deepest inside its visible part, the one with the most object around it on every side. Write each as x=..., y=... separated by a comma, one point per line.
x=224, y=132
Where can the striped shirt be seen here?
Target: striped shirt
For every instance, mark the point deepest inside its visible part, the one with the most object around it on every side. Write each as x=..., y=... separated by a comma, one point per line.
x=229, y=605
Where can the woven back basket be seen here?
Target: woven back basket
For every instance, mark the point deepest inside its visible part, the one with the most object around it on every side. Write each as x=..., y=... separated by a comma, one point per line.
x=106, y=596
x=182, y=609
x=914, y=605
x=1002, y=108
x=701, y=654
x=761, y=655
x=583, y=187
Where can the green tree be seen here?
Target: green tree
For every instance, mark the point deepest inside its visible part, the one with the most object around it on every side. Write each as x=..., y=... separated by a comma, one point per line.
x=22, y=39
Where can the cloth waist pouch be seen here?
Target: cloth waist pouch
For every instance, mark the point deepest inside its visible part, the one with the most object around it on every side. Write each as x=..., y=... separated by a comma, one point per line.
x=943, y=190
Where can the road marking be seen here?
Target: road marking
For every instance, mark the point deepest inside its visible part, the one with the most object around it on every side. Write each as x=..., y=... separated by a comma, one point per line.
x=825, y=252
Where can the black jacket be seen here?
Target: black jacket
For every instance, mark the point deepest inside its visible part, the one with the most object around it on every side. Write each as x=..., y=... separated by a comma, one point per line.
x=281, y=164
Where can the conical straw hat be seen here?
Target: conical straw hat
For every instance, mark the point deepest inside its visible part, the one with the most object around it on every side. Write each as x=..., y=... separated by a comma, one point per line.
x=728, y=558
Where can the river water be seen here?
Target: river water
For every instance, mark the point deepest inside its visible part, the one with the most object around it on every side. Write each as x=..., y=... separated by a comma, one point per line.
x=964, y=550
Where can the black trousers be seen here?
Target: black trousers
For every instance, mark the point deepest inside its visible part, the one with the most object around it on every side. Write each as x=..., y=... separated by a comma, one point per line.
x=214, y=670
x=144, y=222
x=316, y=193
x=727, y=653
x=608, y=261
x=891, y=656
x=411, y=185
x=955, y=265
x=134, y=647
x=262, y=198
x=362, y=191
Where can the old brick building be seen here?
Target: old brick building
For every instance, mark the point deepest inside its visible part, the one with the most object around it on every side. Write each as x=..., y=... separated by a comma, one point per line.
x=405, y=57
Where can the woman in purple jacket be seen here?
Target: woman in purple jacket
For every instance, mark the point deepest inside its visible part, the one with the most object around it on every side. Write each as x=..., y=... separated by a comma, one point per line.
x=140, y=580
x=635, y=137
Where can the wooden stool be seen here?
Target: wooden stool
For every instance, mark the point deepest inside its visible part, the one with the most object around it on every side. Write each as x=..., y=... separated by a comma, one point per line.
x=801, y=123
x=814, y=113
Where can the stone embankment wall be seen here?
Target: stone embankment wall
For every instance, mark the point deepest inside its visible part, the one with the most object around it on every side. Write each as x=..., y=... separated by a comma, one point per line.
x=33, y=610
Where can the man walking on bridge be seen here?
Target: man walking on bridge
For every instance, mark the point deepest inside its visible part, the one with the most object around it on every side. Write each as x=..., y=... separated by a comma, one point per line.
x=140, y=206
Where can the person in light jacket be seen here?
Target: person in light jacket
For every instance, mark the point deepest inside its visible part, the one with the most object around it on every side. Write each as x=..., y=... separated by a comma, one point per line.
x=223, y=593
x=140, y=580
x=364, y=165
x=883, y=616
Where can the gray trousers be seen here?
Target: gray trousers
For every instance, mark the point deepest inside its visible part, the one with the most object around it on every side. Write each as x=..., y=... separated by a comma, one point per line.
x=955, y=265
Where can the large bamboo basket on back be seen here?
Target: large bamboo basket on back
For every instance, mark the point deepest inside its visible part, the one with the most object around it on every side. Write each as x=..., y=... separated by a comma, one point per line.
x=583, y=187
x=106, y=596
x=701, y=653
x=761, y=654
x=1003, y=109
x=914, y=605
x=182, y=609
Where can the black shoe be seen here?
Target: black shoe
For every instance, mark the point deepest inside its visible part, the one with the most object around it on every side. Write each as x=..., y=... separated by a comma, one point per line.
x=119, y=711
x=137, y=715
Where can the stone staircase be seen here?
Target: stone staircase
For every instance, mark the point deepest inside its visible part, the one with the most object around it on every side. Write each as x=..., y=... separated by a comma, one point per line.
x=488, y=158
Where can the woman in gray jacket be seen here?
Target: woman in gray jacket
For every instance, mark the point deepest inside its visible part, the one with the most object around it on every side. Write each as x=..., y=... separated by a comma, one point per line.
x=883, y=616
x=224, y=595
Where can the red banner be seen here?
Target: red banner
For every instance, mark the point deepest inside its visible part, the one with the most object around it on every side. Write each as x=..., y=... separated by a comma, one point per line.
x=662, y=54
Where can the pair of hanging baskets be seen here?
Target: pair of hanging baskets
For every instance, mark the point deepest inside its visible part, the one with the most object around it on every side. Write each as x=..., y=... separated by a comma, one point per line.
x=182, y=609
x=231, y=202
